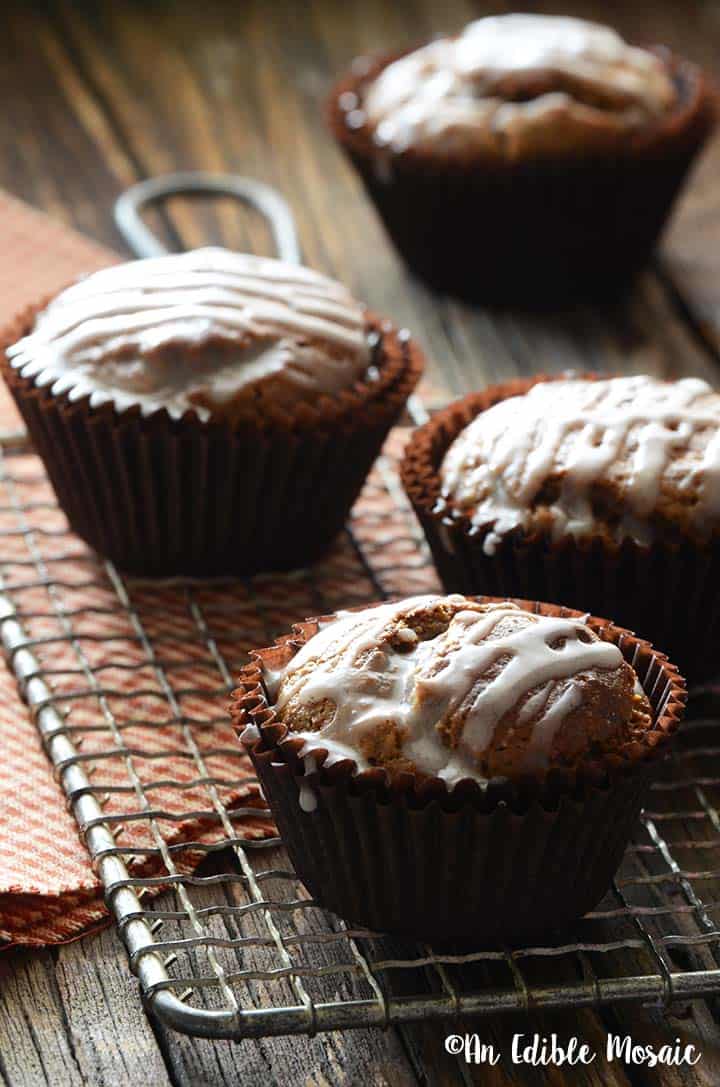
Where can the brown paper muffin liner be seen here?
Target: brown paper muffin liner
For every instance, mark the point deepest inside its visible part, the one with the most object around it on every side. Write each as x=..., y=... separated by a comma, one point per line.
x=668, y=592
x=161, y=496
x=531, y=232
x=465, y=867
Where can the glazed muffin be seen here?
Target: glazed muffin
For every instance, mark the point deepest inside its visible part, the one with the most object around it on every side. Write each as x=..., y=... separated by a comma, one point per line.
x=207, y=412
x=435, y=763
x=527, y=157
x=599, y=491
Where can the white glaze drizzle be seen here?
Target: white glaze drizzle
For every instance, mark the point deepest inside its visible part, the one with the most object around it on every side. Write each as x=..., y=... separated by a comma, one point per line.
x=250, y=734
x=468, y=670
x=449, y=93
x=637, y=431
x=103, y=336
x=307, y=797
x=335, y=752
x=549, y=724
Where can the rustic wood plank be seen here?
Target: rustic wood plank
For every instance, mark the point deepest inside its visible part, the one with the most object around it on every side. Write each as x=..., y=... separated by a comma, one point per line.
x=426, y=1041
x=119, y=93
x=35, y=1045
x=258, y=119
x=112, y=1039
x=261, y=112
x=56, y=148
x=689, y=254
x=694, y=1025
x=72, y=1015
x=338, y=1058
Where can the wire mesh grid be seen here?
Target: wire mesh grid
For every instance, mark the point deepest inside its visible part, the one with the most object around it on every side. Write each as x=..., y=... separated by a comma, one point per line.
x=127, y=681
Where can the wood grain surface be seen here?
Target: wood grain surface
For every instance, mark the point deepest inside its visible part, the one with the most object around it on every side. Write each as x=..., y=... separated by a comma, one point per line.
x=97, y=96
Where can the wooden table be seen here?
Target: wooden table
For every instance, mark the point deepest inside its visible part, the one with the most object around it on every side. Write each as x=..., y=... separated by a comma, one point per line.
x=95, y=100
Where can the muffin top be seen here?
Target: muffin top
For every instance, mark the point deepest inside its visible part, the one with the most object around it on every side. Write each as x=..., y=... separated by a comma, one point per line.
x=208, y=330
x=516, y=85
x=450, y=687
x=626, y=457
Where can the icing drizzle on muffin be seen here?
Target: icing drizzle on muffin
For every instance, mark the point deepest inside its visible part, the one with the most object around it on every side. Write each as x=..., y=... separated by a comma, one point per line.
x=197, y=330
x=518, y=84
x=610, y=456
x=450, y=687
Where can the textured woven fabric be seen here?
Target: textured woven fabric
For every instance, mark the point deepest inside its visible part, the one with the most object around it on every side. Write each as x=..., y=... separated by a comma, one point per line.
x=140, y=672
x=40, y=256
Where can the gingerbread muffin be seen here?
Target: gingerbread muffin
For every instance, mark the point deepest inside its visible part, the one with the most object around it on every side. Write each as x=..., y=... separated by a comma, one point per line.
x=455, y=688
x=527, y=156
x=410, y=750
x=602, y=492
x=207, y=412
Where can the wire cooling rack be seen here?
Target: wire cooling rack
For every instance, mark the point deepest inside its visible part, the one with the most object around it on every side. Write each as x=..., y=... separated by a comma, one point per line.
x=236, y=947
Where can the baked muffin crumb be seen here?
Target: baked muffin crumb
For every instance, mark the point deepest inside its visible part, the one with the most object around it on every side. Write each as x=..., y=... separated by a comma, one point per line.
x=625, y=457
x=451, y=687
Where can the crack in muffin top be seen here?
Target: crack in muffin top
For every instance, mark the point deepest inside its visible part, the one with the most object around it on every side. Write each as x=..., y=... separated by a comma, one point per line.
x=202, y=330
x=519, y=84
x=450, y=687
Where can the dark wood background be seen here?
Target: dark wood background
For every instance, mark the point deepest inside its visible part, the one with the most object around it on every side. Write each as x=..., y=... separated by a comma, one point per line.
x=97, y=96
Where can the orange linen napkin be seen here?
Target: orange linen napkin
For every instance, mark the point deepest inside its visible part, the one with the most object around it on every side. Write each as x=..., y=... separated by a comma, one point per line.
x=48, y=890
x=150, y=664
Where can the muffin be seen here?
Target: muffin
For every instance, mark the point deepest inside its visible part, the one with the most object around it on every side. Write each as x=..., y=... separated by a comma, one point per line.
x=527, y=158
x=601, y=492
x=208, y=412
x=435, y=764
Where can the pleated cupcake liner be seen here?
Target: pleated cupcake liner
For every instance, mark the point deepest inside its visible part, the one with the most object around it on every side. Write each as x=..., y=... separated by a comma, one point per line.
x=464, y=867
x=162, y=496
x=527, y=231
x=668, y=591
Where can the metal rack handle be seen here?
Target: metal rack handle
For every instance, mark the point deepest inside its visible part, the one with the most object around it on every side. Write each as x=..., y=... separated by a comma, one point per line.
x=256, y=194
